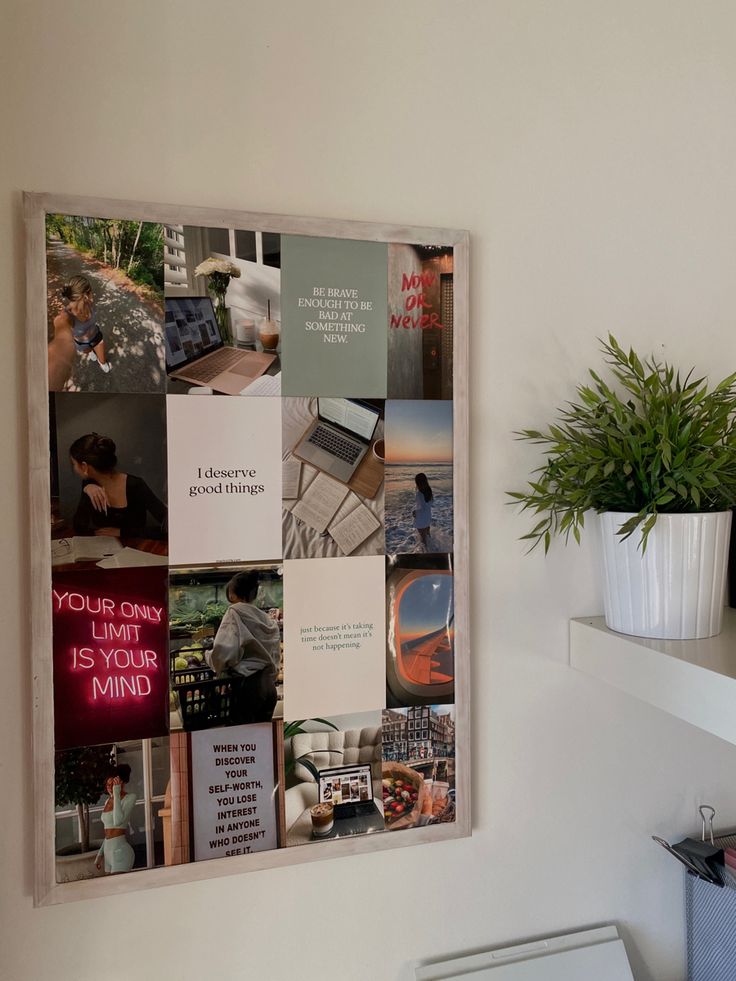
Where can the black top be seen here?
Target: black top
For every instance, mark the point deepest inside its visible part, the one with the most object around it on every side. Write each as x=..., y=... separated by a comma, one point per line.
x=131, y=520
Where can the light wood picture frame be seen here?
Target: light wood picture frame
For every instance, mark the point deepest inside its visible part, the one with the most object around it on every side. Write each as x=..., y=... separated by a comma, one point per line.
x=37, y=207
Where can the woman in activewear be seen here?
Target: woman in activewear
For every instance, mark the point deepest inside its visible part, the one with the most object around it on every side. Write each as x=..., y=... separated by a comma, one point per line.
x=115, y=850
x=79, y=316
x=112, y=502
x=423, y=509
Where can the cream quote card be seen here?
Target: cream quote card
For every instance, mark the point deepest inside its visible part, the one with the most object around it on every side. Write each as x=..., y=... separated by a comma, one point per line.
x=334, y=636
x=224, y=479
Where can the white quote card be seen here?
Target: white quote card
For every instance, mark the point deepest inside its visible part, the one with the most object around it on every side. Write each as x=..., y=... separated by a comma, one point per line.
x=334, y=636
x=233, y=791
x=224, y=479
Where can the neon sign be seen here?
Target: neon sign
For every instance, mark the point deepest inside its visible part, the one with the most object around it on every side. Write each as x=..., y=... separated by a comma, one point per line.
x=110, y=656
x=415, y=300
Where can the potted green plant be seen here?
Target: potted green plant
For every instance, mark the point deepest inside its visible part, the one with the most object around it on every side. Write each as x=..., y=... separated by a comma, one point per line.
x=654, y=454
x=80, y=776
x=292, y=729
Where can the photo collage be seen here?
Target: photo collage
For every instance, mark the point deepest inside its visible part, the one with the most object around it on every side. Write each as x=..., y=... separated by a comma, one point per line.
x=252, y=525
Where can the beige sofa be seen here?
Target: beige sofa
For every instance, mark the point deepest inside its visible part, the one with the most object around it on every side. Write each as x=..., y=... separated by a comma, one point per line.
x=323, y=750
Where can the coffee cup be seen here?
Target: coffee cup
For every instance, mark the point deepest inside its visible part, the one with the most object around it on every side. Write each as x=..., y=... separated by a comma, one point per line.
x=323, y=818
x=269, y=334
x=379, y=449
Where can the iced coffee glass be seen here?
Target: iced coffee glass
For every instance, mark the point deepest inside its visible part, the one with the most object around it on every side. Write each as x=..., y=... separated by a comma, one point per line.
x=323, y=818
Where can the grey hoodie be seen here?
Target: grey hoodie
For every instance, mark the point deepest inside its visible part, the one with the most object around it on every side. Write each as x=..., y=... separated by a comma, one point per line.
x=247, y=641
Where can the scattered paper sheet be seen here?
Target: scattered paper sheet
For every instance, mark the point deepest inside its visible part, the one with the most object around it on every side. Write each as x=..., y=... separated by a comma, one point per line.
x=351, y=530
x=265, y=385
x=83, y=548
x=130, y=557
x=320, y=502
x=291, y=471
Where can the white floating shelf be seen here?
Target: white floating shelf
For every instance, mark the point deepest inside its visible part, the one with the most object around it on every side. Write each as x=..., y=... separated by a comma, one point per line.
x=694, y=680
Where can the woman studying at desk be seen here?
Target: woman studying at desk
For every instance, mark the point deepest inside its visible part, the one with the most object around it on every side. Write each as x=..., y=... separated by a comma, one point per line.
x=112, y=502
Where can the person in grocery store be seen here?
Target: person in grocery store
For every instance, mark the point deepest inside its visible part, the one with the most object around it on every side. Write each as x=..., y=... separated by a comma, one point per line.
x=248, y=645
x=115, y=850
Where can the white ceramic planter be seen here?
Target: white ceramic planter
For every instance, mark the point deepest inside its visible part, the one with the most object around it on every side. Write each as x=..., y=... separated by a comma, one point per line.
x=675, y=590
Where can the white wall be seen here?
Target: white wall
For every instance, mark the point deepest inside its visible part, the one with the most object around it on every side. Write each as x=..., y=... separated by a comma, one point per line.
x=589, y=147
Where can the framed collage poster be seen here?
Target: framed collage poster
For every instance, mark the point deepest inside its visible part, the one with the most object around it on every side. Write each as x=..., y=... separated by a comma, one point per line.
x=249, y=554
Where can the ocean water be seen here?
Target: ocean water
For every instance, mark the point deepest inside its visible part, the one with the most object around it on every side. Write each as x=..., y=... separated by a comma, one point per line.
x=401, y=535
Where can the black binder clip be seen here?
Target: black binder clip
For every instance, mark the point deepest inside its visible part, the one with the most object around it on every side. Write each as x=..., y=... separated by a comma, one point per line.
x=701, y=858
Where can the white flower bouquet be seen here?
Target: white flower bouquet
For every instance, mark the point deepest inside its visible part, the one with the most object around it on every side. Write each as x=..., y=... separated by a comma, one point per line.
x=219, y=272
x=222, y=266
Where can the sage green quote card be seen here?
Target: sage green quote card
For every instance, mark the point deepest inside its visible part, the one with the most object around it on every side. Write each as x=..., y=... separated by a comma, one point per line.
x=334, y=303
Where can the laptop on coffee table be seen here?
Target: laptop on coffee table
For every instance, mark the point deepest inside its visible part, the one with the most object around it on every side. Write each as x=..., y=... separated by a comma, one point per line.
x=350, y=790
x=196, y=353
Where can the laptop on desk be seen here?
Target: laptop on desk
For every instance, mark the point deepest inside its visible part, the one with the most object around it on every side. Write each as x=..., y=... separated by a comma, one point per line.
x=196, y=353
x=339, y=437
x=350, y=790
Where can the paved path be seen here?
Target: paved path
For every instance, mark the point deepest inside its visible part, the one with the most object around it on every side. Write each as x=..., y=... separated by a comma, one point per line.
x=132, y=328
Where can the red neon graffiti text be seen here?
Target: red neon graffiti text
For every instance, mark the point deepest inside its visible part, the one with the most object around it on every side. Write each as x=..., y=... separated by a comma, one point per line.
x=416, y=301
x=416, y=280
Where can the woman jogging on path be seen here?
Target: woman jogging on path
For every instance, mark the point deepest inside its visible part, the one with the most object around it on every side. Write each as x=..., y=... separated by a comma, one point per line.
x=79, y=316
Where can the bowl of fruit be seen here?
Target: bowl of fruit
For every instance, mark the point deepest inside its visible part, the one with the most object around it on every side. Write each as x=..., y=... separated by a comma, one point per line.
x=403, y=795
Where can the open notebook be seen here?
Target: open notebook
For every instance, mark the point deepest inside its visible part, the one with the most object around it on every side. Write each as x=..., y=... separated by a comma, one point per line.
x=84, y=548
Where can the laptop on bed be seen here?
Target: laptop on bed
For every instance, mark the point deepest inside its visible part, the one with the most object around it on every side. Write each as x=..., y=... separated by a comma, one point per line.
x=196, y=353
x=339, y=437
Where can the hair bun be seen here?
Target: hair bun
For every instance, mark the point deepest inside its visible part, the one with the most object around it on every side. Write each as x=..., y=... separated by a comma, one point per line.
x=106, y=443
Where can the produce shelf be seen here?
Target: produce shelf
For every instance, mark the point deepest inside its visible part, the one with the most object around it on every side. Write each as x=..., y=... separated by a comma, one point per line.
x=694, y=680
